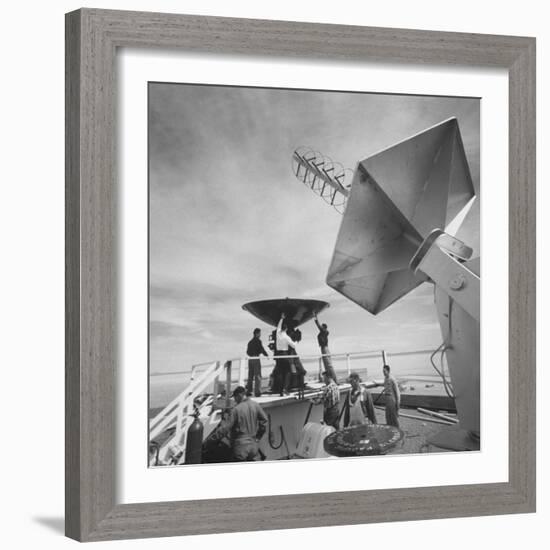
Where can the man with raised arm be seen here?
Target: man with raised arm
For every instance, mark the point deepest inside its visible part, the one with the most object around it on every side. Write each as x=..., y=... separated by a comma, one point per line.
x=282, y=369
x=296, y=366
x=322, y=339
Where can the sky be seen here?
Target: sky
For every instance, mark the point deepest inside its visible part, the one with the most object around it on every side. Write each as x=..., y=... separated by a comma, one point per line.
x=229, y=222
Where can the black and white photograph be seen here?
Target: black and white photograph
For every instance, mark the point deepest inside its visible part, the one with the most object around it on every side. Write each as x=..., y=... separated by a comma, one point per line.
x=314, y=274
x=242, y=294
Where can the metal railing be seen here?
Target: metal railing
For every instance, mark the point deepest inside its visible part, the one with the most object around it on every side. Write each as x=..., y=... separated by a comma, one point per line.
x=177, y=413
x=348, y=358
x=233, y=372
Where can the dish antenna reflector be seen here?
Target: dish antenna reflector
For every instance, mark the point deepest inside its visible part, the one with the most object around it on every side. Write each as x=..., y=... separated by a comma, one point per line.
x=397, y=198
x=299, y=311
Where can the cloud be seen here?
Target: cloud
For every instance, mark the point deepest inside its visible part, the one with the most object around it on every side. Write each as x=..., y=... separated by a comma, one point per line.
x=230, y=224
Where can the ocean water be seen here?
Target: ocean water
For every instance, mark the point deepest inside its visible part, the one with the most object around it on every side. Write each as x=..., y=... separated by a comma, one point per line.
x=404, y=366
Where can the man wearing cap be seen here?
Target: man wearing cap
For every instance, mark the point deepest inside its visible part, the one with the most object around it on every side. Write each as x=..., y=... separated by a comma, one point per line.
x=360, y=409
x=246, y=426
x=330, y=399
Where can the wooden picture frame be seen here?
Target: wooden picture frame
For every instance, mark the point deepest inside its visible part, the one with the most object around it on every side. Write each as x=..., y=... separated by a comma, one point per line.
x=92, y=39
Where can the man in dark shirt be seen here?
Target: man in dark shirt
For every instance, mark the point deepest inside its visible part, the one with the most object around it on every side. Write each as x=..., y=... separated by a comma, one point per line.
x=246, y=426
x=254, y=349
x=322, y=339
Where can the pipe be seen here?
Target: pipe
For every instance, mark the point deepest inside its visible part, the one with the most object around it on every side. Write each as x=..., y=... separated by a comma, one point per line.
x=438, y=415
x=423, y=418
x=308, y=412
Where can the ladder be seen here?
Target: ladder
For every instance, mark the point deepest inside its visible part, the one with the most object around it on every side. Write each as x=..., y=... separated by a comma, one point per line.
x=178, y=414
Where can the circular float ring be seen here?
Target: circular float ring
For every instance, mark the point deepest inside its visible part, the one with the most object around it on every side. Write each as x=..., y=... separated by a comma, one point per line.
x=363, y=440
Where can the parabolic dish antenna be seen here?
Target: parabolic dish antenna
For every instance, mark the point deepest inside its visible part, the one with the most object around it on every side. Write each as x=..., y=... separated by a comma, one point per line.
x=295, y=309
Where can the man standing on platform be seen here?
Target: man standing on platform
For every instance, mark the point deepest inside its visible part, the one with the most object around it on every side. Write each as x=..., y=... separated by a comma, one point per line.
x=296, y=367
x=283, y=343
x=322, y=339
x=253, y=351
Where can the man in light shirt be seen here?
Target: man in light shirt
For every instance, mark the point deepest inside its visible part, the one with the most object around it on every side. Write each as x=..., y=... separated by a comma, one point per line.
x=296, y=367
x=282, y=369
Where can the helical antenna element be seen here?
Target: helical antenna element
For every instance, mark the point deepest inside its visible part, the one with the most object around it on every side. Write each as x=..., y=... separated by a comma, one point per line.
x=324, y=177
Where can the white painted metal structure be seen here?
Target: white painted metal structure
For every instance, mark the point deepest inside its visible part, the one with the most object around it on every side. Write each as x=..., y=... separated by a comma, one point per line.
x=392, y=239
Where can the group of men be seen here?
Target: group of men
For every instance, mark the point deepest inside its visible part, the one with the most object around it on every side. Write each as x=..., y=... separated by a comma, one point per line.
x=359, y=408
x=247, y=421
x=286, y=339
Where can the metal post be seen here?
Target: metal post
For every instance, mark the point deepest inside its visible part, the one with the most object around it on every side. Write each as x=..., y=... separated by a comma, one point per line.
x=348, y=363
x=227, y=383
x=241, y=371
x=180, y=418
x=216, y=380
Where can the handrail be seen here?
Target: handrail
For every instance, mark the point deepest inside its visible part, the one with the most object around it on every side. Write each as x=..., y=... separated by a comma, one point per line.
x=171, y=405
x=354, y=354
x=179, y=409
x=175, y=408
x=310, y=357
x=169, y=413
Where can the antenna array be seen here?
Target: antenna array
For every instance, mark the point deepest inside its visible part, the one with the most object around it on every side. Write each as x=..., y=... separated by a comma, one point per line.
x=323, y=176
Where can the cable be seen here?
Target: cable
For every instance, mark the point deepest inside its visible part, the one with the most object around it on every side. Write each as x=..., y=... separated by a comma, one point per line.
x=308, y=412
x=448, y=389
x=270, y=438
x=270, y=435
x=443, y=347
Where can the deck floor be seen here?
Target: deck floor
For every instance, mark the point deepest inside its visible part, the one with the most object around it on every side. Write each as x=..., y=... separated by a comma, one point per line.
x=417, y=432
